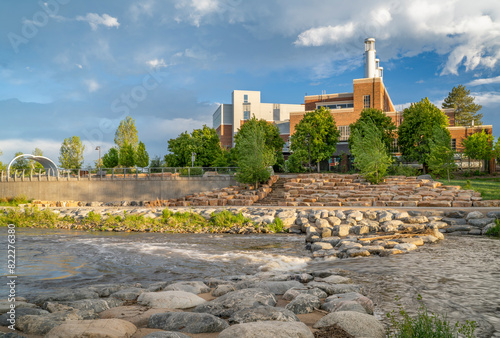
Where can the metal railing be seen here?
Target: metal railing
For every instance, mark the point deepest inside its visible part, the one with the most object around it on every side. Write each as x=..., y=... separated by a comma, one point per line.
x=109, y=174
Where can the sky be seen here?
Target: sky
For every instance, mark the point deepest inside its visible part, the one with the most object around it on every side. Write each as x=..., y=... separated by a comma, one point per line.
x=71, y=67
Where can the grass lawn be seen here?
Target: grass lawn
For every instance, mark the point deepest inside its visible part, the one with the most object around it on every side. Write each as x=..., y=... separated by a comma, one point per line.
x=488, y=187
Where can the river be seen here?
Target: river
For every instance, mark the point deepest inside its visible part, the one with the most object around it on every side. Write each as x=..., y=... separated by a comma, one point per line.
x=459, y=276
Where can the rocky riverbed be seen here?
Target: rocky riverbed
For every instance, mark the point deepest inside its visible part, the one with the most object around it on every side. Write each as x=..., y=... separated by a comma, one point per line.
x=267, y=304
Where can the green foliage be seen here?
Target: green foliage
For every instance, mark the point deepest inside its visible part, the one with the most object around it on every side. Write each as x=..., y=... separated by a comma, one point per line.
x=191, y=171
x=479, y=146
x=253, y=155
x=126, y=133
x=495, y=231
x=467, y=186
x=426, y=325
x=496, y=149
x=441, y=158
x=111, y=159
x=34, y=164
x=370, y=153
x=323, y=136
x=488, y=187
x=276, y=226
x=466, y=110
x=404, y=170
x=142, y=158
x=379, y=119
x=71, y=153
x=14, y=201
x=416, y=131
x=93, y=218
x=20, y=164
x=226, y=220
x=227, y=158
x=293, y=164
x=156, y=163
x=204, y=142
x=31, y=217
x=127, y=157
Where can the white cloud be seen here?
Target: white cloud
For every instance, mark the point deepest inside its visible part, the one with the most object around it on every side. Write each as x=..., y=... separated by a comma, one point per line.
x=196, y=10
x=156, y=63
x=145, y=7
x=468, y=33
x=9, y=147
x=94, y=20
x=487, y=98
x=479, y=82
x=92, y=85
x=79, y=65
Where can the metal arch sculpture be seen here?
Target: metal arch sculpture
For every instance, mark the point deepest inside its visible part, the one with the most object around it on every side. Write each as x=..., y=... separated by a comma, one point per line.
x=49, y=165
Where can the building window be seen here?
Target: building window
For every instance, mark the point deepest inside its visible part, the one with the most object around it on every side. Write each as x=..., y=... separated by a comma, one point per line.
x=454, y=144
x=366, y=101
x=345, y=132
x=246, y=115
x=245, y=98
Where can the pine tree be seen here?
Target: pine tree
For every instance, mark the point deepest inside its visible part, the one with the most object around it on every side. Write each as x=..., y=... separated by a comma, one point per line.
x=111, y=158
x=441, y=157
x=466, y=110
x=142, y=156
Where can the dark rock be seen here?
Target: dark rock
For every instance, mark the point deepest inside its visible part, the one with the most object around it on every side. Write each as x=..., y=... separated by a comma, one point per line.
x=19, y=313
x=263, y=313
x=278, y=288
x=302, y=277
x=481, y=222
x=128, y=294
x=493, y=214
x=187, y=322
x=166, y=334
x=355, y=323
x=193, y=287
x=456, y=214
x=454, y=221
x=333, y=303
x=232, y=302
x=332, y=289
x=105, y=290
x=424, y=177
x=304, y=303
x=65, y=295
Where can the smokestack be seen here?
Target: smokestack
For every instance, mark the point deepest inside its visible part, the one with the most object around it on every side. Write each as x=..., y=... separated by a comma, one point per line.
x=372, y=68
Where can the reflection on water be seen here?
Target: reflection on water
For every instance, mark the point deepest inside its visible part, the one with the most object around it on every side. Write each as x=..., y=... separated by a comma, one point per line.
x=459, y=276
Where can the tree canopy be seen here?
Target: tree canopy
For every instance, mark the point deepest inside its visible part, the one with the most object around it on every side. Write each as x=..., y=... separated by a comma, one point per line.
x=34, y=164
x=126, y=133
x=142, y=156
x=370, y=152
x=380, y=120
x=466, y=110
x=71, y=153
x=479, y=146
x=111, y=158
x=127, y=156
x=318, y=129
x=441, y=157
x=21, y=163
x=416, y=131
x=254, y=156
x=204, y=142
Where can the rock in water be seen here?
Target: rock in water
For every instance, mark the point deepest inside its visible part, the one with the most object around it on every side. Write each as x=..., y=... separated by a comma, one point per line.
x=268, y=329
x=355, y=323
x=187, y=322
x=263, y=313
x=170, y=300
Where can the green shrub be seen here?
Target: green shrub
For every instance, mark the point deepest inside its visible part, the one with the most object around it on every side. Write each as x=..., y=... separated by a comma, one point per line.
x=226, y=219
x=495, y=231
x=426, y=325
x=468, y=185
x=93, y=217
x=403, y=170
x=277, y=225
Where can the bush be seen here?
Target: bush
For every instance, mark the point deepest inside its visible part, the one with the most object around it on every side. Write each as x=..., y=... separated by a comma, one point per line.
x=277, y=225
x=426, y=325
x=226, y=219
x=495, y=231
x=404, y=170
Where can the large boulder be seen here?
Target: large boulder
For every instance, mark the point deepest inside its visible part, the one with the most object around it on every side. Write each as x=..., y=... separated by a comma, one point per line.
x=127, y=294
x=338, y=302
x=355, y=323
x=187, y=322
x=273, y=329
x=332, y=289
x=232, y=302
x=278, y=287
x=294, y=292
x=304, y=303
x=19, y=313
x=97, y=305
x=101, y=328
x=42, y=324
x=65, y=295
x=170, y=299
x=193, y=287
x=263, y=313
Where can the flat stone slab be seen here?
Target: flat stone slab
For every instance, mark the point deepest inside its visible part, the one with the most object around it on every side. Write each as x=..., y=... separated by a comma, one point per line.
x=187, y=322
x=101, y=328
x=170, y=299
x=263, y=329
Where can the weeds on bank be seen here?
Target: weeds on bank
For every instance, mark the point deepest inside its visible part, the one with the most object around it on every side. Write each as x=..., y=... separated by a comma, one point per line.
x=495, y=231
x=226, y=220
x=277, y=225
x=426, y=325
x=30, y=217
x=14, y=201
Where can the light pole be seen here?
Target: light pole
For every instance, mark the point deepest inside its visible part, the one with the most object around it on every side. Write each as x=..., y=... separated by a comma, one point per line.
x=309, y=146
x=99, y=162
x=193, y=158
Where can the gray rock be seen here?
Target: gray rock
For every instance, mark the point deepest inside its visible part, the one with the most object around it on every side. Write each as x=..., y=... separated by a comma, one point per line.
x=416, y=219
x=401, y=215
x=356, y=215
x=424, y=177
x=324, y=273
x=334, y=302
x=360, y=229
x=332, y=289
x=304, y=303
x=19, y=313
x=456, y=214
x=354, y=323
x=406, y=247
x=222, y=290
x=263, y=313
x=11, y=335
x=487, y=227
x=187, y=322
x=493, y=214
x=41, y=324
x=166, y=334
x=340, y=214
x=193, y=287
x=322, y=223
x=302, y=277
x=294, y=292
x=99, y=328
x=273, y=329
x=105, y=290
x=474, y=215
x=65, y=295
x=232, y=302
x=437, y=224
x=455, y=228
x=384, y=216
x=97, y=305
x=346, y=245
x=335, y=279
x=127, y=294
x=321, y=246
x=454, y=221
x=334, y=220
x=170, y=300
x=481, y=222
x=278, y=288
x=342, y=230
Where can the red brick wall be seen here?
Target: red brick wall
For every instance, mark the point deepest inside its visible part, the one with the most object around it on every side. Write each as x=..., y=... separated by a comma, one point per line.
x=225, y=133
x=460, y=133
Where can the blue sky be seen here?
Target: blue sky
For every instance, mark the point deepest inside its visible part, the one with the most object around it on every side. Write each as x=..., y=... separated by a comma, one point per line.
x=71, y=67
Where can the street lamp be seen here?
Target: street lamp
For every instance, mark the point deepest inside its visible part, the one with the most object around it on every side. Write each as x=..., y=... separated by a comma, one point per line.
x=99, y=162
x=309, y=146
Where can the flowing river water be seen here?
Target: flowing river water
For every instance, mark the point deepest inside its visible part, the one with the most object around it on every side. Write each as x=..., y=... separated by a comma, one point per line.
x=460, y=276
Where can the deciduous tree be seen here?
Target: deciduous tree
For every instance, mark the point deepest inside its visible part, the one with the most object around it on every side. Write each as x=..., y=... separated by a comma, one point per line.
x=126, y=133
x=21, y=163
x=71, y=153
x=416, y=131
x=317, y=129
x=379, y=119
x=127, y=156
x=479, y=146
x=466, y=110
x=442, y=157
x=370, y=152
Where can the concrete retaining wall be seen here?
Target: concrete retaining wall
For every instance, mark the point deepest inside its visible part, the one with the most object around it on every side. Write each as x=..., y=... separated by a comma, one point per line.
x=119, y=190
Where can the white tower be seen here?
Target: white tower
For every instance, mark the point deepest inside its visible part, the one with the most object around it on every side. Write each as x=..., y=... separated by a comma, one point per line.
x=372, y=68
